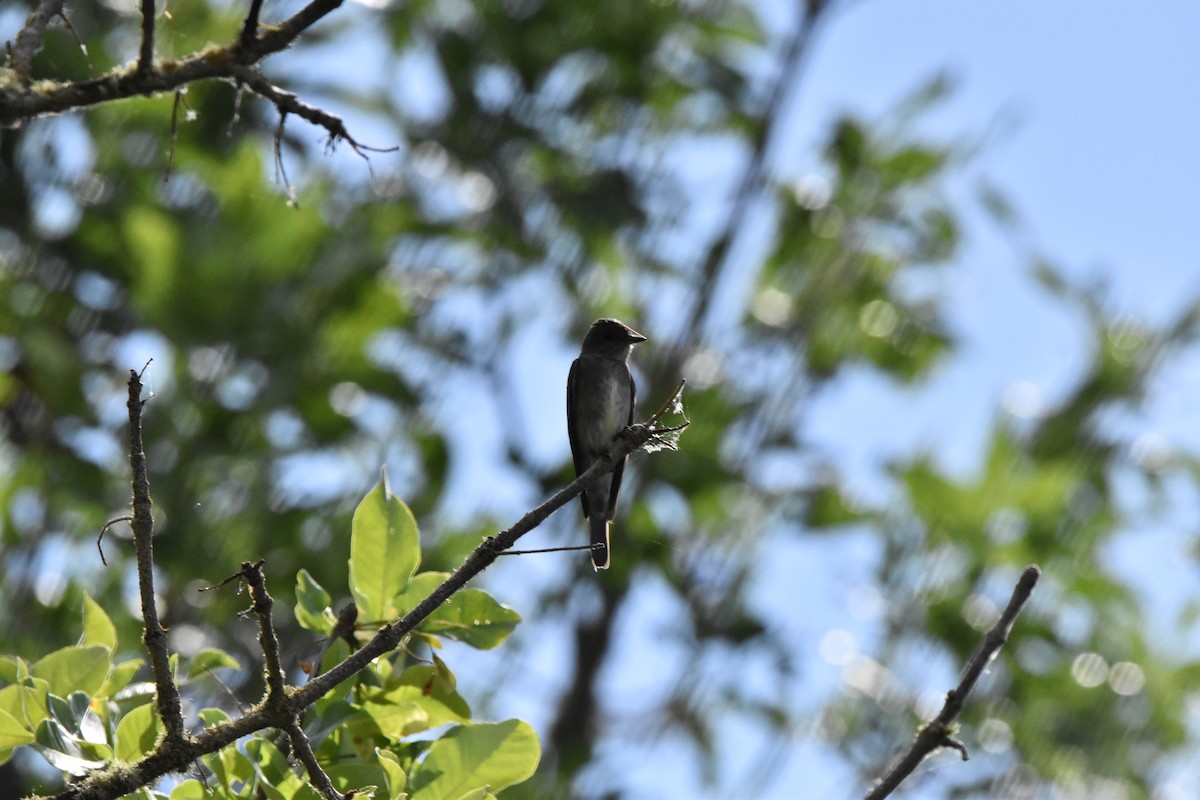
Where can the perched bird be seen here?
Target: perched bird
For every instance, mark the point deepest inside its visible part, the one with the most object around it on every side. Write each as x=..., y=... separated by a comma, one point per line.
x=600, y=394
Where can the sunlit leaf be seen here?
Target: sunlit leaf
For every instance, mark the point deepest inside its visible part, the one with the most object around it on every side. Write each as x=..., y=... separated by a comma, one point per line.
x=492, y=755
x=312, y=604
x=384, y=552
x=136, y=733
x=79, y=668
x=97, y=627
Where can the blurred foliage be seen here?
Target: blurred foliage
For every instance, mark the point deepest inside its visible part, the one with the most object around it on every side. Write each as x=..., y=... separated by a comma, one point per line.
x=555, y=166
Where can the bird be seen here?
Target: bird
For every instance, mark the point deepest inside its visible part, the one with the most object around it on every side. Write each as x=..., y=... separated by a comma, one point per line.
x=600, y=397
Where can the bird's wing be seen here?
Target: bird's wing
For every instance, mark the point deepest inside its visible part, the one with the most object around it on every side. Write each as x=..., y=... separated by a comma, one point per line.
x=619, y=469
x=572, y=434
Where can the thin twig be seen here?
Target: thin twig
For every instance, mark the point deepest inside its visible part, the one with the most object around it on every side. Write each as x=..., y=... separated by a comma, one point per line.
x=939, y=732
x=288, y=103
x=551, y=550
x=154, y=636
x=174, y=132
x=280, y=169
x=250, y=26
x=304, y=752
x=670, y=403
x=236, y=116
x=268, y=642
x=280, y=37
x=104, y=530
x=78, y=40
x=146, y=53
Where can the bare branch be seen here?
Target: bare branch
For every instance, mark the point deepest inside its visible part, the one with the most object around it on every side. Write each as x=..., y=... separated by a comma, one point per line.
x=174, y=132
x=250, y=26
x=104, y=530
x=669, y=404
x=304, y=752
x=280, y=37
x=146, y=53
x=29, y=41
x=267, y=641
x=939, y=732
x=155, y=638
x=288, y=103
x=146, y=78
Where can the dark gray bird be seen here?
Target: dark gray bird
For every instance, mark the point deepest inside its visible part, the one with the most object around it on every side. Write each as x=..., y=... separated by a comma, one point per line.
x=600, y=395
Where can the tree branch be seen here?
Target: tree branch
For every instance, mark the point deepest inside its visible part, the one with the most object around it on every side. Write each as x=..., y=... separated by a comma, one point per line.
x=288, y=103
x=250, y=26
x=252, y=574
x=939, y=732
x=304, y=752
x=46, y=98
x=166, y=693
x=282, y=706
x=146, y=53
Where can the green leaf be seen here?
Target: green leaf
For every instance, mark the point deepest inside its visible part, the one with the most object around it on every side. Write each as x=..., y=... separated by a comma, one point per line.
x=12, y=669
x=12, y=735
x=478, y=794
x=68, y=752
x=472, y=616
x=312, y=604
x=84, y=721
x=470, y=757
x=190, y=789
x=397, y=779
x=80, y=668
x=424, y=697
x=397, y=717
x=229, y=766
x=28, y=702
x=137, y=732
x=119, y=677
x=97, y=627
x=209, y=659
x=277, y=780
x=828, y=508
x=212, y=716
x=416, y=590
x=384, y=552
x=358, y=774
x=911, y=164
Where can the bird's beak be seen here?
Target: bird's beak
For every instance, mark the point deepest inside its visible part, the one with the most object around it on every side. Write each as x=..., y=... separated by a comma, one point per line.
x=635, y=337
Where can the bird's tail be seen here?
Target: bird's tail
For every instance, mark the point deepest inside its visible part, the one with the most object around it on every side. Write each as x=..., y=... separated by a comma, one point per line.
x=598, y=526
